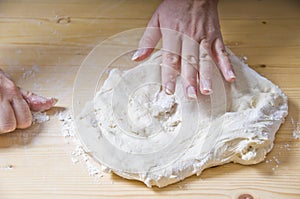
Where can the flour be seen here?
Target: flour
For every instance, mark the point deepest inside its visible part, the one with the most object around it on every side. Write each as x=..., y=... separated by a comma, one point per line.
x=67, y=127
x=152, y=112
x=296, y=128
x=78, y=155
x=273, y=162
x=39, y=117
x=31, y=72
x=237, y=123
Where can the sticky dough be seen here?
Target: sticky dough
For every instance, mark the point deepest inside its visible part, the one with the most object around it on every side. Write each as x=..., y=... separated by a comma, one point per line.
x=161, y=139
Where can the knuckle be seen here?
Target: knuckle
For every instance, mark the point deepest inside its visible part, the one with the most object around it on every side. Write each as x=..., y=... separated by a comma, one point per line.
x=205, y=44
x=7, y=127
x=192, y=59
x=25, y=123
x=147, y=42
x=9, y=84
x=204, y=56
x=171, y=58
x=213, y=31
x=10, y=87
x=206, y=59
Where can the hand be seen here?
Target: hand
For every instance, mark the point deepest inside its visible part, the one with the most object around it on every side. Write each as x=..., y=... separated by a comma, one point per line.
x=15, y=105
x=190, y=31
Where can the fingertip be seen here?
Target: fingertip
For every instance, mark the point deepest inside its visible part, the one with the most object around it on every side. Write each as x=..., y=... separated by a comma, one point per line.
x=191, y=93
x=206, y=87
x=7, y=129
x=25, y=124
x=142, y=54
x=206, y=91
x=39, y=103
x=230, y=76
x=54, y=101
x=169, y=88
x=43, y=104
x=231, y=80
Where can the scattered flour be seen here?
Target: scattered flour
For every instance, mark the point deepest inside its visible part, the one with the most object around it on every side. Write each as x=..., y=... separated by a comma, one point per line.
x=78, y=154
x=39, y=117
x=31, y=72
x=67, y=129
x=274, y=161
x=296, y=128
x=182, y=186
x=28, y=75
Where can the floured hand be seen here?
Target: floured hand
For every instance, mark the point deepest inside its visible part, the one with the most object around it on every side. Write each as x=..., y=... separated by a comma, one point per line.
x=191, y=37
x=15, y=105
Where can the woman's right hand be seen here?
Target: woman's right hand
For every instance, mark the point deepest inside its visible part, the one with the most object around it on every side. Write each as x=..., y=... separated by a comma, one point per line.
x=191, y=42
x=15, y=105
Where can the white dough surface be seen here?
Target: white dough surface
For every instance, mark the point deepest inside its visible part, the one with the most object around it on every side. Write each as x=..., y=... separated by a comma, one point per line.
x=161, y=139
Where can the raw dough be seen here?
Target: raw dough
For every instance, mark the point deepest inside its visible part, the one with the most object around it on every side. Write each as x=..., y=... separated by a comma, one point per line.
x=161, y=139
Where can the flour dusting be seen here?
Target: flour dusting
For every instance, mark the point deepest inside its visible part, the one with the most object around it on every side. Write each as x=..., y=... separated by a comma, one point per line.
x=78, y=154
x=39, y=117
x=31, y=72
x=296, y=128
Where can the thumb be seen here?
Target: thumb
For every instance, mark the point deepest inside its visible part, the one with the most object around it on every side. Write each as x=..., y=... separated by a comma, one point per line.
x=36, y=102
x=149, y=40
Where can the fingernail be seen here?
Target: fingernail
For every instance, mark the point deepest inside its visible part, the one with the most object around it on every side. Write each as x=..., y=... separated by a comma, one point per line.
x=191, y=92
x=230, y=74
x=206, y=87
x=53, y=101
x=169, y=88
x=137, y=54
x=207, y=92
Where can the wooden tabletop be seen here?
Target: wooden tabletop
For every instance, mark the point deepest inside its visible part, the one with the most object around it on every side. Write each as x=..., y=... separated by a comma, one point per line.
x=42, y=44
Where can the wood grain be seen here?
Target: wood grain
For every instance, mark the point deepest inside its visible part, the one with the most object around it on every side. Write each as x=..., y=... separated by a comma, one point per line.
x=51, y=38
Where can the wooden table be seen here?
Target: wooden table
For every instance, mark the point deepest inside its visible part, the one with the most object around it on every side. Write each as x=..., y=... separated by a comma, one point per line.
x=42, y=44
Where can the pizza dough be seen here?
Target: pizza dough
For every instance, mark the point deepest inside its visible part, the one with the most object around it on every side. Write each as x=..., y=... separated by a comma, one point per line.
x=161, y=139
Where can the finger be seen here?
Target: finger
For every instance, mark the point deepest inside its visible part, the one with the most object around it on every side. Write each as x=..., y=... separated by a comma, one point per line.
x=170, y=60
x=149, y=40
x=38, y=103
x=22, y=113
x=169, y=71
x=7, y=118
x=206, y=68
x=221, y=57
x=189, y=66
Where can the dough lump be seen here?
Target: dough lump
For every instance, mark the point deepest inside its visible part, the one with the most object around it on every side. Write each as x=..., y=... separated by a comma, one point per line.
x=161, y=139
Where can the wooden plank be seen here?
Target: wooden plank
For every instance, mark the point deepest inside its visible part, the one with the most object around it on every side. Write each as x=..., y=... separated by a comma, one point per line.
x=43, y=56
